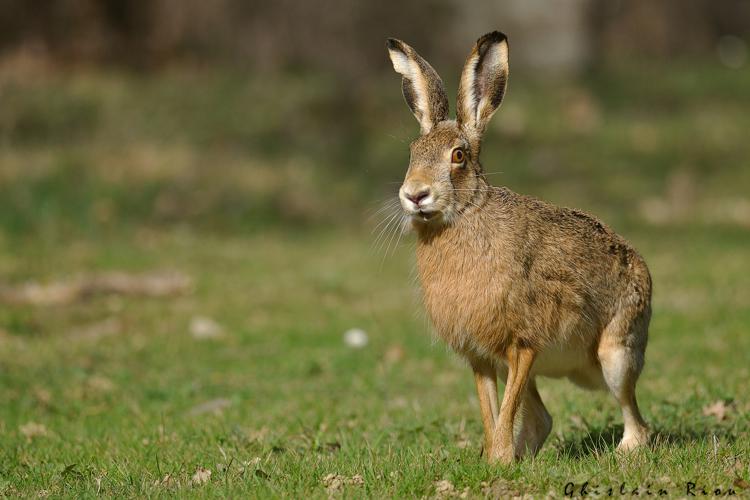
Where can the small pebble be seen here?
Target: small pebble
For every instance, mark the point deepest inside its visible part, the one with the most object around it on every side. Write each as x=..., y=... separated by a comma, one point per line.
x=355, y=338
x=202, y=328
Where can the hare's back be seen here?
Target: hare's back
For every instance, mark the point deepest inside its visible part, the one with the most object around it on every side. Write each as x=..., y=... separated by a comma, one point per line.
x=558, y=244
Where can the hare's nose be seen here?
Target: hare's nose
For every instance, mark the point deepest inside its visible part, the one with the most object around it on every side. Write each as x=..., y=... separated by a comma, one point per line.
x=417, y=197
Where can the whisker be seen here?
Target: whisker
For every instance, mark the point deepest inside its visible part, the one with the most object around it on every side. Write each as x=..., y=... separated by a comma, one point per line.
x=386, y=206
x=390, y=197
x=400, y=233
x=384, y=231
x=381, y=247
x=386, y=210
x=390, y=240
x=386, y=218
x=378, y=243
x=386, y=222
x=389, y=200
x=396, y=138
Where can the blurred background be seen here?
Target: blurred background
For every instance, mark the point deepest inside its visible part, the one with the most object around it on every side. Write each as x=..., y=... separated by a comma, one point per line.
x=189, y=196
x=236, y=116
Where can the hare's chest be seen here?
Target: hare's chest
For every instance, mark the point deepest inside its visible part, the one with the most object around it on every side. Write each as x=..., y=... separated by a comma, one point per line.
x=465, y=304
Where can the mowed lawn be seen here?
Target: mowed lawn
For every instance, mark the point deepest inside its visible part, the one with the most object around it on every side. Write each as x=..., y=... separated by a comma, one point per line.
x=240, y=383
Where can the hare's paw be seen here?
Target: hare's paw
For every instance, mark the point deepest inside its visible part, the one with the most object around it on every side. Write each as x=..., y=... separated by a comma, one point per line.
x=505, y=456
x=634, y=440
x=502, y=452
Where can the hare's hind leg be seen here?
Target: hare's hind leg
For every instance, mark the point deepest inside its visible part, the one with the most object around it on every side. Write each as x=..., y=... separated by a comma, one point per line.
x=621, y=354
x=536, y=422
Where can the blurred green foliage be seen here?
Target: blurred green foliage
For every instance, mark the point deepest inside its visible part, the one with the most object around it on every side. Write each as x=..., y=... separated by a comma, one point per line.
x=229, y=151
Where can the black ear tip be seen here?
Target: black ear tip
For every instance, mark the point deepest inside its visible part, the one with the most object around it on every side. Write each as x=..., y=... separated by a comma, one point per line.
x=394, y=44
x=492, y=37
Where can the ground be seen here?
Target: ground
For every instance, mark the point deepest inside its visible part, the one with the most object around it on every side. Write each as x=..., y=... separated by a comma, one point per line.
x=241, y=383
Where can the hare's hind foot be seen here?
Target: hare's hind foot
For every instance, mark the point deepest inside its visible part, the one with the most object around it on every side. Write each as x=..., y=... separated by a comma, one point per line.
x=536, y=423
x=637, y=438
x=621, y=354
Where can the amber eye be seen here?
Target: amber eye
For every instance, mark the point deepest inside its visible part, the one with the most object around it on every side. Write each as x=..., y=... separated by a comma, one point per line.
x=458, y=155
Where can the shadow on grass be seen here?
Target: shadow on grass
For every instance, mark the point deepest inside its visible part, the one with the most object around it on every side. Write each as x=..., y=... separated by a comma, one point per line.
x=605, y=439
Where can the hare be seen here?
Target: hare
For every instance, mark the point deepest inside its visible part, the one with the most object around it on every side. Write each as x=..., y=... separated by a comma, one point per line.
x=519, y=287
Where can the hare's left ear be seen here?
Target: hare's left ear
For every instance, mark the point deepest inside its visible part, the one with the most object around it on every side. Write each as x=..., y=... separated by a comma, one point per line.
x=422, y=87
x=483, y=83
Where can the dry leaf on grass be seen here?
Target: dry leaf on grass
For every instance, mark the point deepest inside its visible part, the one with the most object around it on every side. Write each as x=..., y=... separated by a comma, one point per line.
x=667, y=481
x=718, y=409
x=736, y=466
x=393, y=354
x=32, y=430
x=166, y=482
x=445, y=489
x=100, y=384
x=42, y=396
x=335, y=482
x=201, y=476
x=257, y=435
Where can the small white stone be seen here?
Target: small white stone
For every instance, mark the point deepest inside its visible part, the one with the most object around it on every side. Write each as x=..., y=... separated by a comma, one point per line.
x=355, y=338
x=202, y=328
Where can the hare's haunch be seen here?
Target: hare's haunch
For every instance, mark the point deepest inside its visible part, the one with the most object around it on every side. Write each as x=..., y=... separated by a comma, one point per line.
x=517, y=286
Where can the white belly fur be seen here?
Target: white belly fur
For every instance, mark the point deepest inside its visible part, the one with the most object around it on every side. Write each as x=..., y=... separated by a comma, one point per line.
x=573, y=362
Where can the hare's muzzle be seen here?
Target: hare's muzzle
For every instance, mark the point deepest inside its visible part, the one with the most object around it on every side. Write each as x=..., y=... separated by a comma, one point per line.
x=417, y=199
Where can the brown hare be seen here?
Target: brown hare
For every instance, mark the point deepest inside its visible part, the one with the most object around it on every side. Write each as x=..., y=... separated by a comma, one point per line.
x=517, y=286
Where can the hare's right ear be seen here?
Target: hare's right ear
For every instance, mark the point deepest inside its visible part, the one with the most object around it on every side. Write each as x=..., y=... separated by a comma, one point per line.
x=422, y=87
x=483, y=83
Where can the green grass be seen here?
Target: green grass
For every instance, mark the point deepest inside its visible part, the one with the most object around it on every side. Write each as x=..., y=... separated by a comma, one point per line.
x=107, y=172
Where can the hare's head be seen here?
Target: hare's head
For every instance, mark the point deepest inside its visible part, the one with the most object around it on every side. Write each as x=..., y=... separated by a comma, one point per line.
x=444, y=170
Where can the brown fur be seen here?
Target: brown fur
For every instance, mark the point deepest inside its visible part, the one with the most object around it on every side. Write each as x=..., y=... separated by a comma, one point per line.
x=518, y=286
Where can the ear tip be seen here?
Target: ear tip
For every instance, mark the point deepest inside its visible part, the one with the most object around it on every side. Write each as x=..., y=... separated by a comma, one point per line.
x=493, y=37
x=394, y=44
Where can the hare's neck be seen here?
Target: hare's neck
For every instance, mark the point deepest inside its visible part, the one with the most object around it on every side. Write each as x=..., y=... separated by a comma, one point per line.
x=464, y=223
x=448, y=255
x=440, y=238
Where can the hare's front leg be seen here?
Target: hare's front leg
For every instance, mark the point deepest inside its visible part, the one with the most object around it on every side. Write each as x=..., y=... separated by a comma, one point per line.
x=486, y=380
x=519, y=360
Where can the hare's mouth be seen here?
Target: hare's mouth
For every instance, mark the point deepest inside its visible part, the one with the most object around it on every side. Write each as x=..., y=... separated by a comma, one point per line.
x=425, y=215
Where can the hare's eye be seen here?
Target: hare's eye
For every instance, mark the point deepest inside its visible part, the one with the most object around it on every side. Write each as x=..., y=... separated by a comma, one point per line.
x=458, y=155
